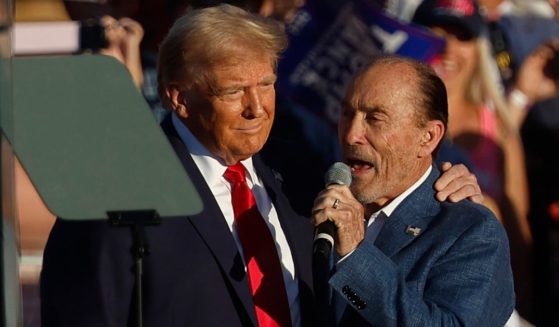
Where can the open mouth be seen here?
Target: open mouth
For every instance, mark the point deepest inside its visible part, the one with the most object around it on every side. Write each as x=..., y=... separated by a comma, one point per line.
x=358, y=165
x=446, y=68
x=449, y=65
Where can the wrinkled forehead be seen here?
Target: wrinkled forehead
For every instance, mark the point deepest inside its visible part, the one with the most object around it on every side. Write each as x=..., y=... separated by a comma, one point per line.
x=391, y=87
x=237, y=59
x=241, y=53
x=385, y=79
x=243, y=63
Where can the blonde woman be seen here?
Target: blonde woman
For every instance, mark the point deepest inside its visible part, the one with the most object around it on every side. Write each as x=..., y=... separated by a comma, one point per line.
x=480, y=124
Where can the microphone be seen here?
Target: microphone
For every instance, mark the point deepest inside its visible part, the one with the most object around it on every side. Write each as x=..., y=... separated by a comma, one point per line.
x=338, y=173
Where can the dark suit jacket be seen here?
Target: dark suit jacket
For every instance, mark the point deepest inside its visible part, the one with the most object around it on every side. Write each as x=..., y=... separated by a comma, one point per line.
x=455, y=272
x=193, y=274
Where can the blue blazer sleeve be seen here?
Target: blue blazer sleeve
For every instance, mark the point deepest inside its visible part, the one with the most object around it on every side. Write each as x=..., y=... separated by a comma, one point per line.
x=455, y=273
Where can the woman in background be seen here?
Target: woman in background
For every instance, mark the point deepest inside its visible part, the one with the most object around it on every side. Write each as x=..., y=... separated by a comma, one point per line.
x=480, y=125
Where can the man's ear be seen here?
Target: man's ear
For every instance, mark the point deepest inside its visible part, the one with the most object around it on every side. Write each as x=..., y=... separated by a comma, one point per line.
x=176, y=100
x=432, y=135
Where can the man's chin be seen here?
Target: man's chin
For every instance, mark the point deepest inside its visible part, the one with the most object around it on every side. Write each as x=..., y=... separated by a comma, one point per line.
x=246, y=152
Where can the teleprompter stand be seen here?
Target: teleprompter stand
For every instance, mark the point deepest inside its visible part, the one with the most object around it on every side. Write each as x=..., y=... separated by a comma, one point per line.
x=136, y=220
x=93, y=150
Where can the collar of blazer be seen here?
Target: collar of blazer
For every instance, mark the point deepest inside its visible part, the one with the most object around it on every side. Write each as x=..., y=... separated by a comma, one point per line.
x=411, y=217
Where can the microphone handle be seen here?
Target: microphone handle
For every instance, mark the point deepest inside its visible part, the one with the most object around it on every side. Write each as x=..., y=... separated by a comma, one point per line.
x=323, y=243
x=324, y=239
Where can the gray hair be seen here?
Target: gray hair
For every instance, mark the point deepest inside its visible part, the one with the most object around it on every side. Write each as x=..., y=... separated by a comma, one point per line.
x=205, y=37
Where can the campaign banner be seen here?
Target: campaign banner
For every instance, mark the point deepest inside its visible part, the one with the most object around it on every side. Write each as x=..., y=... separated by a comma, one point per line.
x=331, y=40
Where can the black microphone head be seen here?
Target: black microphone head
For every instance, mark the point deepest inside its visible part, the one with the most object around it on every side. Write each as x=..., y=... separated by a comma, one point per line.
x=338, y=173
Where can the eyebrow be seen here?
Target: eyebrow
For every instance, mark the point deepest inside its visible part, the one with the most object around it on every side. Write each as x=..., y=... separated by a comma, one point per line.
x=266, y=80
x=269, y=79
x=375, y=108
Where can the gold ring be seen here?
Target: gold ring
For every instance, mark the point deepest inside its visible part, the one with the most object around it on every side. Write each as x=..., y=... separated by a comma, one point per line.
x=336, y=204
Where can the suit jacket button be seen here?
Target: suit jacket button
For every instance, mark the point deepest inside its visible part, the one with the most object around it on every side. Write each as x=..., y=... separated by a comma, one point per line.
x=346, y=290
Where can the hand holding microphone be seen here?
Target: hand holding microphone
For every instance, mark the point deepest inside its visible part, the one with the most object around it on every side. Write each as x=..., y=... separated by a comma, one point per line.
x=337, y=214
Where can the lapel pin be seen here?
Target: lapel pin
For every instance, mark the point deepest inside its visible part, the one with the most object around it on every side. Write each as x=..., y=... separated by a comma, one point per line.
x=413, y=231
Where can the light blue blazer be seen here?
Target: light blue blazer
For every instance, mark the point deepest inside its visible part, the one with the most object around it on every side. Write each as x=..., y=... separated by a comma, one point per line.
x=455, y=272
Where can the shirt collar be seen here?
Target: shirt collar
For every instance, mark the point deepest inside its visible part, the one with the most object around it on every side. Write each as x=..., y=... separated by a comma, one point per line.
x=389, y=208
x=211, y=166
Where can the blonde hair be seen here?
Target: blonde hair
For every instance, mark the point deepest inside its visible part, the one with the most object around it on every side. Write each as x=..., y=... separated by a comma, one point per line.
x=485, y=87
x=205, y=37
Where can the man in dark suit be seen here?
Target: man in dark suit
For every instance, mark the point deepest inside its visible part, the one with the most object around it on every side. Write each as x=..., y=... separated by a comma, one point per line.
x=217, y=74
x=216, y=71
x=416, y=261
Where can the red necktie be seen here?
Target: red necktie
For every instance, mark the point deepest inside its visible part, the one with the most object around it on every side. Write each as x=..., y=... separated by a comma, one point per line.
x=263, y=265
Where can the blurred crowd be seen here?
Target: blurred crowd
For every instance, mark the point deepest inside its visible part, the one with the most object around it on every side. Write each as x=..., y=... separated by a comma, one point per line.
x=500, y=66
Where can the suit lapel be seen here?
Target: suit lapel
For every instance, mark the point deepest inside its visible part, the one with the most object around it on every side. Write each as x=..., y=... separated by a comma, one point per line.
x=212, y=227
x=410, y=218
x=297, y=229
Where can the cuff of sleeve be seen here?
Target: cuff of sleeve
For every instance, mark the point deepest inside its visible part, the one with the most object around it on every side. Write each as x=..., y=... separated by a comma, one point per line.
x=339, y=259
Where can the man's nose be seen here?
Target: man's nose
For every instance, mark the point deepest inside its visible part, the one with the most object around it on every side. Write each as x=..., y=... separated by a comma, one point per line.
x=353, y=131
x=253, y=102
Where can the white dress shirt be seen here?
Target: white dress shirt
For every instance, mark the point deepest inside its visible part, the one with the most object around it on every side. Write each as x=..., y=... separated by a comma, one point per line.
x=390, y=207
x=212, y=169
